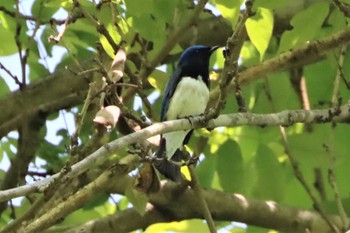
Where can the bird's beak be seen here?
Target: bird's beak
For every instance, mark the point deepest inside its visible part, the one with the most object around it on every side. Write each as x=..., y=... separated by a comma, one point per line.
x=213, y=49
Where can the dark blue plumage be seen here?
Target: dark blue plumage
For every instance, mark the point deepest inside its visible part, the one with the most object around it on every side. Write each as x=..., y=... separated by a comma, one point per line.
x=186, y=94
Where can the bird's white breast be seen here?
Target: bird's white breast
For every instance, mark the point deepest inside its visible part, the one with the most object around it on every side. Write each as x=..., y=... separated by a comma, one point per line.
x=189, y=99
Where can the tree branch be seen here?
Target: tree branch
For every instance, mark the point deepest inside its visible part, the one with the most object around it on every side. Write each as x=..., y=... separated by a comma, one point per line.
x=284, y=118
x=28, y=144
x=300, y=56
x=164, y=207
x=76, y=200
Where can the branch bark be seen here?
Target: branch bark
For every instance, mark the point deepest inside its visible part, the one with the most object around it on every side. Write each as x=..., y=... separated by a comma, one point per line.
x=168, y=205
x=284, y=118
x=61, y=90
x=28, y=143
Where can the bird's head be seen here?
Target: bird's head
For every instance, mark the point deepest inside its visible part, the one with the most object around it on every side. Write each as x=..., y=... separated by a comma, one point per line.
x=196, y=55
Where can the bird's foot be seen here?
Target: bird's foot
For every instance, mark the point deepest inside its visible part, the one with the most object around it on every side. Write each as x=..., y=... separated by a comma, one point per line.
x=156, y=159
x=189, y=118
x=191, y=161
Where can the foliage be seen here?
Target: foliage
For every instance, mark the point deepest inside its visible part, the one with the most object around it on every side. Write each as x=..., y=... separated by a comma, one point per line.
x=249, y=160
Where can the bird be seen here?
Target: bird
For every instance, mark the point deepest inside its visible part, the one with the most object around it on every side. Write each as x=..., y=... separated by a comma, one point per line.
x=186, y=95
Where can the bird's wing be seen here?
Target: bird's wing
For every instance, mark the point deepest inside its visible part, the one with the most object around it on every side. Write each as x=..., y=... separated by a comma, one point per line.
x=169, y=92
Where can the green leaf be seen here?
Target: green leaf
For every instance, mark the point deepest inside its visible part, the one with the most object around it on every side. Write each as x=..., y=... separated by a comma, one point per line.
x=145, y=25
x=4, y=89
x=80, y=216
x=52, y=154
x=105, y=17
x=230, y=167
x=137, y=8
x=279, y=85
x=37, y=70
x=332, y=208
x=315, y=74
x=271, y=180
x=229, y=9
x=137, y=199
x=164, y=9
x=7, y=39
x=336, y=20
x=97, y=200
x=306, y=24
x=311, y=154
x=259, y=28
x=206, y=170
x=158, y=79
x=44, y=9
x=186, y=226
x=249, y=54
x=270, y=4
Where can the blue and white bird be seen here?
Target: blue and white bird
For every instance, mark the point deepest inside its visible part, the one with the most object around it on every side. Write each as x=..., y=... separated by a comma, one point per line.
x=186, y=95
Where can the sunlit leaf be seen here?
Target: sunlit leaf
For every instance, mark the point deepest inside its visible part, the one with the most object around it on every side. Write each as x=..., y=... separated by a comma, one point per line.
x=187, y=226
x=230, y=9
x=7, y=39
x=158, y=79
x=105, y=43
x=259, y=28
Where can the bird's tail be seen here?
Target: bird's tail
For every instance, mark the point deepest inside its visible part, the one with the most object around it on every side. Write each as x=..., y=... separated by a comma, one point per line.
x=165, y=167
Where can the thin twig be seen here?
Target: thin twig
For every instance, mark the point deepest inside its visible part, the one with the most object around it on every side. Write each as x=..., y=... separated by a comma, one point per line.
x=340, y=75
x=203, y=204
x=22, y=57
x=331, y=178
x=329, y=148
x=342, y=7
x=299, y=175
x=14, y=77
x=142, y=95
x=230, y=71
x=82, y=114
x=32, y=18
x=57, y=38
x=125, y=111
x=99, y=26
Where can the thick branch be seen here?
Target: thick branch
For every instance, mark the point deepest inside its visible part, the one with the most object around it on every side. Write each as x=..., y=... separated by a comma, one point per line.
x=168, y=205
x=76, y=200
x=284, y=118
x=28, y=143
x=61, y=90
